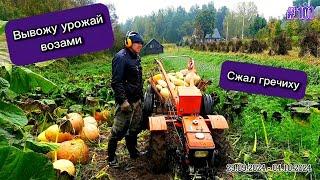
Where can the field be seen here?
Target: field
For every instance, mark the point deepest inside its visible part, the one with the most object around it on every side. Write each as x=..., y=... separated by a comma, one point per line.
x=284, y=140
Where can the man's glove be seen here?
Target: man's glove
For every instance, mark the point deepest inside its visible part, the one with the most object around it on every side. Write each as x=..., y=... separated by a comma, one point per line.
x=125, y=106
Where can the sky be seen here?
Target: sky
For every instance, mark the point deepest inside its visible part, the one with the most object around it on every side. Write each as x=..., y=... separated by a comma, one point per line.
x=126, y=9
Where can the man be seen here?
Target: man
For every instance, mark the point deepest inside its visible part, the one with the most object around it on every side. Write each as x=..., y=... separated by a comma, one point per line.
x=127, y=85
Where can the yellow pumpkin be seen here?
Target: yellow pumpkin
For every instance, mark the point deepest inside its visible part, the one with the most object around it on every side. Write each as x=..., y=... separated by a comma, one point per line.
x=179, y=82
x=42, y=137
x=64, y=165
x=157, y=77
x=53, y=131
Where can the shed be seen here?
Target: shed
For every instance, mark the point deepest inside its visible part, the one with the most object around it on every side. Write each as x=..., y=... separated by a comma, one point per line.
x=216, y=35
x=152, y=47
x=213, y=37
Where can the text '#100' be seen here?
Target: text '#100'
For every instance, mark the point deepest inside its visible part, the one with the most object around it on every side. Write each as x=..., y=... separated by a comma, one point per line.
x=266, y=80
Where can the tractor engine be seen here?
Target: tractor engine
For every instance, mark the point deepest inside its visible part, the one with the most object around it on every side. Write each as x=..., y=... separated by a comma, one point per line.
x=199, y=145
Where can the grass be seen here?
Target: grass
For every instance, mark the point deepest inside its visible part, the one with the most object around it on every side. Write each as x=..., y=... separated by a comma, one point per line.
x=2, y=26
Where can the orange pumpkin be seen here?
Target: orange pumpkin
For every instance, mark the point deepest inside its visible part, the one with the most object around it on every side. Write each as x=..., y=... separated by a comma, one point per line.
x=89, y=132
x=75, y=151
x=76, y=121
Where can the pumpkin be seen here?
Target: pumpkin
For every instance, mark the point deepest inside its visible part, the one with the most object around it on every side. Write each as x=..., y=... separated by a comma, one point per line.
x=75, y=151
x=90, y=120
x=76, y=121
x=179, y=75
x=162, y=83
x=102, y=116
x=165, y=93
x=157, y=77
x=89, y=132
x=42, y=137
x=184, y=72
x=98, y=116
x=159, y=87
x=179, y=82
x=172, y=78
x=194, y=76
x=53, y=131
x=64, y=165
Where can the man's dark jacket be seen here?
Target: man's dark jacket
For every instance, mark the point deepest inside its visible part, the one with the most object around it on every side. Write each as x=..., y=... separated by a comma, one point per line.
x=127, y=76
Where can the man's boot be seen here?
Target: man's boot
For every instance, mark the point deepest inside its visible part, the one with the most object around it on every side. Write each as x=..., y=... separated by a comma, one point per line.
x=131, y=143
x=112, y=147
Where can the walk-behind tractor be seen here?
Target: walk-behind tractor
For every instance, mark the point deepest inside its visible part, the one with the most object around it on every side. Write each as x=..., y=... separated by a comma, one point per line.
x=184, y=137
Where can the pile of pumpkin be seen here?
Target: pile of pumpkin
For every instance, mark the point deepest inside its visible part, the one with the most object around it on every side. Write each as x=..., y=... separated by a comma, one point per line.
x=184, y=78
x=72, y=147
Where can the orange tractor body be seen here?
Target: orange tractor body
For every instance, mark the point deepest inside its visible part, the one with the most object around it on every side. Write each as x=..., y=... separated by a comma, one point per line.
x=182, y=113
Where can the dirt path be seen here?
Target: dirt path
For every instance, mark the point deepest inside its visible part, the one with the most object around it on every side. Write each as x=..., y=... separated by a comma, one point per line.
x=129, y=169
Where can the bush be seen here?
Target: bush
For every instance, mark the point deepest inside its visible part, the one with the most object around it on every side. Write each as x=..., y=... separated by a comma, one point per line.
x=255, y=46
x=310, y=44
x=244, y=48
x=281, y=44
x=236, y=46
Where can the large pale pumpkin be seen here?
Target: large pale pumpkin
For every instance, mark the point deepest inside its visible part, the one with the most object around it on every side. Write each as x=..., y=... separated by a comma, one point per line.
x=89, y=132
x=53, y=131
x=75, y=151
x=76, y=121
x=162, y=83
x=179, y=82
x=64, y=165
x=90, y=120
x=179, y=75
x=165, y=93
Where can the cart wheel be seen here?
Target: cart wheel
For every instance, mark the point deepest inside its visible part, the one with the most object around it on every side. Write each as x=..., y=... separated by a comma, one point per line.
x=207, y=105
x=158, y=152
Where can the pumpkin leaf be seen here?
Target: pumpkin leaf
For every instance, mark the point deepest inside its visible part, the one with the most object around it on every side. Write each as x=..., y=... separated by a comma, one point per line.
x=17, y=164
x=41, y=147
x=23, y=80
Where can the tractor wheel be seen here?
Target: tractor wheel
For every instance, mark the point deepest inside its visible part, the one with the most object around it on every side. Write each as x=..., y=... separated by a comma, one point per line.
x=222, y=147
x=158, y=152
x=207, y=105
x=148, y=100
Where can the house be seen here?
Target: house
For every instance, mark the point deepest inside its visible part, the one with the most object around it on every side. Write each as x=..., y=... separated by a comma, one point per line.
x=152, y=47
x=213, y=37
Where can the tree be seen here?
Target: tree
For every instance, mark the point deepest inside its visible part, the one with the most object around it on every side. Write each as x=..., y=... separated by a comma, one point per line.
x=22, y=8
x=247, y=10
x=313, y=3
x=233, y=23
x=220, y=16
x=258, y=23
x=205, y=19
